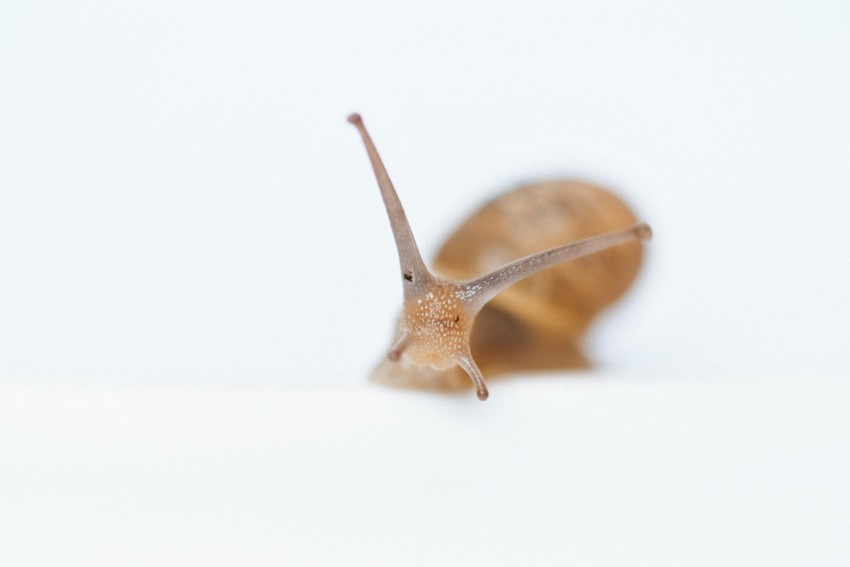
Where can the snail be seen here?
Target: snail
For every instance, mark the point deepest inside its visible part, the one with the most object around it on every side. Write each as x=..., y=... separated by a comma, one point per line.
x=495, y=308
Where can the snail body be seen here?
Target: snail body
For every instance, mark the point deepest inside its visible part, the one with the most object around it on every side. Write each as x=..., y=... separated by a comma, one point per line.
x=506, y=298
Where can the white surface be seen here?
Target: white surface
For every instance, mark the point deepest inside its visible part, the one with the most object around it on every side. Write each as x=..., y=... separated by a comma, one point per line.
x=196, y=274
x=597, y=470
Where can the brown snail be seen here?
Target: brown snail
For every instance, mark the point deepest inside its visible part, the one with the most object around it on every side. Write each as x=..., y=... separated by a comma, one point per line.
x=518, y=315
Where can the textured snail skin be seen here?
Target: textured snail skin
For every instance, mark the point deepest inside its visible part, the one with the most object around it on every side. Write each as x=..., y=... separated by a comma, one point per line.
x=539, y=322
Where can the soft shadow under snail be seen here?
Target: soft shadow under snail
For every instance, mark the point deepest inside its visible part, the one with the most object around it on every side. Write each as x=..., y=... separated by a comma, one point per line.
x=518, y=315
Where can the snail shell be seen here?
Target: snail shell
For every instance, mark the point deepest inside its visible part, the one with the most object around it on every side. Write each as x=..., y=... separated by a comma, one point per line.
x=538, y=323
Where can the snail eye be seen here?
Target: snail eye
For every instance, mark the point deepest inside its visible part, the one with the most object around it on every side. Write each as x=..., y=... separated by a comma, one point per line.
x=408, y=275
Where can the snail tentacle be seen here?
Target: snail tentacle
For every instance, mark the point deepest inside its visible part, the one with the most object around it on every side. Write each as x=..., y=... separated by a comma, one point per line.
x=412, y=266
x=399, y=347
x=482, y=289
x=466, y=362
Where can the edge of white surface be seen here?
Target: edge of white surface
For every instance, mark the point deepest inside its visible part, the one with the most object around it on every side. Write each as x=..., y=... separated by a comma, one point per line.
x=589, y=470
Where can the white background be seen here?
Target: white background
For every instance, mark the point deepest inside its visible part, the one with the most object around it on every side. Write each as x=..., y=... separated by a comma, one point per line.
x=191, y=240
